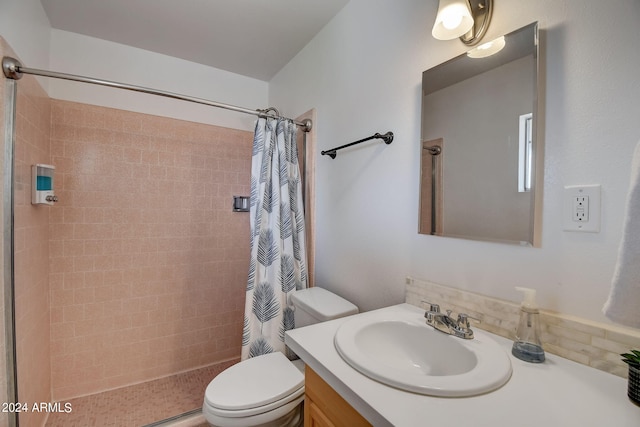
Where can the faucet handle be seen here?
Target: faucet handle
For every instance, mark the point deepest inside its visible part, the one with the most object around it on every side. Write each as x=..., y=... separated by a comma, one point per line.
x=463, y=320
x=435, y=308
x=430, y=314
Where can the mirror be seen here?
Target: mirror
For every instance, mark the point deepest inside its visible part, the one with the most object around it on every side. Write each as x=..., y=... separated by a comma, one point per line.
x=479, y=144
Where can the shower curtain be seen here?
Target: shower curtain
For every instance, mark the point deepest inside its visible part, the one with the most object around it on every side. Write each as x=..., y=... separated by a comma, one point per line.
x=278, y=252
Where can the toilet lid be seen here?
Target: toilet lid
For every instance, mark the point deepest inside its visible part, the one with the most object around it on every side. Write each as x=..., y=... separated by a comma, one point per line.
x=254, y=382
x=322, y=304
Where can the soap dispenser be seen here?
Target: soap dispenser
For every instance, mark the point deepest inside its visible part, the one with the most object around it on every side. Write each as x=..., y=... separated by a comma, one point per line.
x=527, y=345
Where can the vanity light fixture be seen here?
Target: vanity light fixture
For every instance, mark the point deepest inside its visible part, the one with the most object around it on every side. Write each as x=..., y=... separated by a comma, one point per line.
x=487, y=49
x=466, y=19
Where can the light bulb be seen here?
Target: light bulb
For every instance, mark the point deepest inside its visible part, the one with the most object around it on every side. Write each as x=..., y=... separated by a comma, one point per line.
x=453, y=20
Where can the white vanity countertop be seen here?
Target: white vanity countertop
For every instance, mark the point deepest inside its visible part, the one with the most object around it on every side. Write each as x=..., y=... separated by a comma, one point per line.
x=558, y=392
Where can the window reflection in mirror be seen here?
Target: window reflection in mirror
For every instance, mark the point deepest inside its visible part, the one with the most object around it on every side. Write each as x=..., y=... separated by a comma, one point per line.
x=481, y=112
x=525, y=150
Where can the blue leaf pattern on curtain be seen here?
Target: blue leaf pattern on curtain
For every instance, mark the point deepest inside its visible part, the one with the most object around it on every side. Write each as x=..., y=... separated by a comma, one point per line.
x=285, y=226
x=254, y=191
x=251, y=280
x=245, y=331
x=265, y=306
x=287, y=321
x=259, y=347
x=284, y=170
x=287, y=273
x=267, y=248
x=278, y=259
x=269, y=196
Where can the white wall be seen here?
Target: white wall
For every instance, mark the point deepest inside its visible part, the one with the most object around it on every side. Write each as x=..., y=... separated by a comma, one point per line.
x=25, y=27
x=77, y=54
x=363, y=74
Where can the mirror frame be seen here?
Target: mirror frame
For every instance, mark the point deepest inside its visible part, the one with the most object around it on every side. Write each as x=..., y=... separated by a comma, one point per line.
x=537, y=171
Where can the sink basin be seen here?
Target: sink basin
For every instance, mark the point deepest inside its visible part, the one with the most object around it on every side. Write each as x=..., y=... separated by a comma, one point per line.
x=399, y=349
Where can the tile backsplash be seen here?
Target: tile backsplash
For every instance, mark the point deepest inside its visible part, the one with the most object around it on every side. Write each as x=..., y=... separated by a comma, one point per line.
x=591, y=343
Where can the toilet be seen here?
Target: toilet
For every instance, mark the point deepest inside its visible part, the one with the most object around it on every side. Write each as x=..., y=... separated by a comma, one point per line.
x=268, y=390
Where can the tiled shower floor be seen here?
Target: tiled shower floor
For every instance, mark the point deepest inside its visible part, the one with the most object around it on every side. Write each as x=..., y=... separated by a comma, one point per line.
x=140, y=404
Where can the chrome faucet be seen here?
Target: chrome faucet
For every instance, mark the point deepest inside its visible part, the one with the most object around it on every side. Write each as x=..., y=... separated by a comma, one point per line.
x=445, y=323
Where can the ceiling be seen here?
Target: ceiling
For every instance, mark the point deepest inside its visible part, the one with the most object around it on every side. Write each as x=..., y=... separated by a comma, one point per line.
x=254, y=38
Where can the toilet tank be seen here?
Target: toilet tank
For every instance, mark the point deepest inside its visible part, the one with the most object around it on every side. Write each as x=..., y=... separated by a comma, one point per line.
x=314, y=305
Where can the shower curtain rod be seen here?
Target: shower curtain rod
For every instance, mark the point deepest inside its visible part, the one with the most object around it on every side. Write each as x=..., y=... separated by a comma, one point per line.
x=13, y=69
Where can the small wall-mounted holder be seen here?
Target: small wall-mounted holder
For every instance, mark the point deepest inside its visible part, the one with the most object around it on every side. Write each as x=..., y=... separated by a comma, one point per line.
x=42, y=182
x=241, y=203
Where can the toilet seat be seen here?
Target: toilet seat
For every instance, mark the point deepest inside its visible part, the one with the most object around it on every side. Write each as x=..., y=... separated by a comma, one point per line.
x=255, y=386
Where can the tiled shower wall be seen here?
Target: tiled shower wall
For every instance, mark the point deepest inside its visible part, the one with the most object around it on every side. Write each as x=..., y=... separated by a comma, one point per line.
x=147, y=262
x=31, y=237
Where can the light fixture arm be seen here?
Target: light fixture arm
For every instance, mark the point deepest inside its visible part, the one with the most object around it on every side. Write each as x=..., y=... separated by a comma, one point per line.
x=481, y=11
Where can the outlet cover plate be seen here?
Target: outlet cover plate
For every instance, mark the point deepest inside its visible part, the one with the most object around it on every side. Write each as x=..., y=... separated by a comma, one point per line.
x=590, y=219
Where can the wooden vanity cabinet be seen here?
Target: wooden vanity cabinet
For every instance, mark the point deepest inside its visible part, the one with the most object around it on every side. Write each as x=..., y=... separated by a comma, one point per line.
x=324, y=407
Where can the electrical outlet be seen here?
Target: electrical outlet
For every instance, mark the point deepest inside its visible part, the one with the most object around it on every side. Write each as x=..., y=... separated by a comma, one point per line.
x=582, y=208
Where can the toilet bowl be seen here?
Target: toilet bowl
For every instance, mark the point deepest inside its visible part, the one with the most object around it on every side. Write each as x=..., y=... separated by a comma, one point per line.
x=268, y=390
x=256, y=392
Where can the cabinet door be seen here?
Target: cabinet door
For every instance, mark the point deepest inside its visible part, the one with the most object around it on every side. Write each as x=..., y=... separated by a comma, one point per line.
x=314, y=417
x=324, y=407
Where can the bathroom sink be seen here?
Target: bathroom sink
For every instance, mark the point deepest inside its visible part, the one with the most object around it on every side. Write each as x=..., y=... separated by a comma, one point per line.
x=399, y=349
